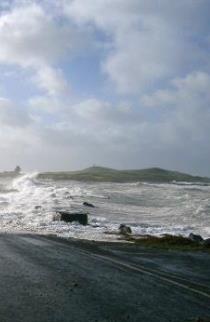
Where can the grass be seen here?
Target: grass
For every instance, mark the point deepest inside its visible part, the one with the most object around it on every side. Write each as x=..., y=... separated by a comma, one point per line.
x=207, y=319
x=166, y=242
x=101, y=174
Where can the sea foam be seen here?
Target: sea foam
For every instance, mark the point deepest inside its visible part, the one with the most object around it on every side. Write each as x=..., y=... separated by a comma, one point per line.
x=30, y=204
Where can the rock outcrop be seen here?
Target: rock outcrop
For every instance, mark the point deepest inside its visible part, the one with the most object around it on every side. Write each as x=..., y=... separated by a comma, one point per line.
x=195, y=238
x=125, y=230
x=206, y=242
x=88, y=204
x=80, y=217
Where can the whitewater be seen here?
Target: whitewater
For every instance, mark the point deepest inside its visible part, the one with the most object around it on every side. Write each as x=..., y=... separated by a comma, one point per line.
x=28, y=204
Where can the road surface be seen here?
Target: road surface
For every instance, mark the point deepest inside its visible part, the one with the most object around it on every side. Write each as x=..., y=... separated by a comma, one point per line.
x=45, y=278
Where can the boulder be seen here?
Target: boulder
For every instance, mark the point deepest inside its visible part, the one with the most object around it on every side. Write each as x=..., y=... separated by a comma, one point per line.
x=206, y=242
x=125, y=230
x=69, y=197
x=38, y=207
x=87, y=204
x=195, y=238
x=80, y=217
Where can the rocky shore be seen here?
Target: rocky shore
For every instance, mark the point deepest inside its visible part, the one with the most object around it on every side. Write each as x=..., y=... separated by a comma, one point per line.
x=124, y=233
x=193, y=241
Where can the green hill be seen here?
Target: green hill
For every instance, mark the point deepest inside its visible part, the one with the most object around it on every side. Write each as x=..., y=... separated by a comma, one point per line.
x=101, y=174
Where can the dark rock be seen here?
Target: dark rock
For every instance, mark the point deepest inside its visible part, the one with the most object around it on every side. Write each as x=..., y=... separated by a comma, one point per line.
x=206, y=242
x=196, y=238
x=87, y=204
x=80, y=217
x=38, y=207
x=125, y=230
x=69, y=197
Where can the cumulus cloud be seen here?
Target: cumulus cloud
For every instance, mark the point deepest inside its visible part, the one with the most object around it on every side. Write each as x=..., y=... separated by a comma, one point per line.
x=177, y=139
x=184, y=124
x=33, y=39
x=30, y=38
x=51, y=80
x=190, y=91
x=111, y=132
x=155, y=109
x=150, y=41
x=98, y=111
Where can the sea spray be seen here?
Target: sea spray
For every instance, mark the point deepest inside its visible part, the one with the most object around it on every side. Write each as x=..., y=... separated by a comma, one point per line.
x=24, y=182
x=30, y=204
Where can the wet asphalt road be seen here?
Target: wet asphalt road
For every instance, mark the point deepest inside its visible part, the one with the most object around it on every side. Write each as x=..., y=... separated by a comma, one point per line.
x=49, y=279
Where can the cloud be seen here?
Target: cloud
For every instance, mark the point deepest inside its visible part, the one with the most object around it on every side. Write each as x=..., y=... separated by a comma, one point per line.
x=182, y=125
x=188, y=92
x=51, y=80
x=154, y=107
x=98, y=131
x=28, y=37
x=49, y=104
x=149, y=41
x=12, y=115
x=97, y=112
x=33, y=39
x=186, y=117
x=91, y=120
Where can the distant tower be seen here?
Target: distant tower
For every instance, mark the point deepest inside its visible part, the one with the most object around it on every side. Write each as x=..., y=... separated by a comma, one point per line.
x=17, y=169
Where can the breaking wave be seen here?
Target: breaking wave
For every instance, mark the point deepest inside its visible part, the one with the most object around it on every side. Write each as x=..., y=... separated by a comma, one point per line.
x=30, y=204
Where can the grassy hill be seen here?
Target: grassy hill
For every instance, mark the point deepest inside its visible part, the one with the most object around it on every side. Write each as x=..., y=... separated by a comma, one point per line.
x=101, y=174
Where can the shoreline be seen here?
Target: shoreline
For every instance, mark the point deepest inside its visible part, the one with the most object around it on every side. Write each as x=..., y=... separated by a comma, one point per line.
x=165, y=242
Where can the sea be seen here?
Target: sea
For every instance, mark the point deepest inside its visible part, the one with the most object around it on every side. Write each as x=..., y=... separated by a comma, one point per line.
x=30, y=204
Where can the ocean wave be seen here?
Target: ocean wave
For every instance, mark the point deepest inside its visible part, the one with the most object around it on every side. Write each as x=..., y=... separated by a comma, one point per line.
x=30, y=204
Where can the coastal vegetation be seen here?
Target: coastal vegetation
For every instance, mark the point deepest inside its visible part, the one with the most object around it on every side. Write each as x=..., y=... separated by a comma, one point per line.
x=101, y=174
x=167, y=242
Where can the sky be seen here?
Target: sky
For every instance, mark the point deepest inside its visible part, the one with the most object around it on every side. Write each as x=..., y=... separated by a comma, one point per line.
x=117, y=83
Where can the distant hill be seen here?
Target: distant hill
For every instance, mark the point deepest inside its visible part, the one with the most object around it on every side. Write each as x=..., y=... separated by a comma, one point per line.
x=101, y=174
